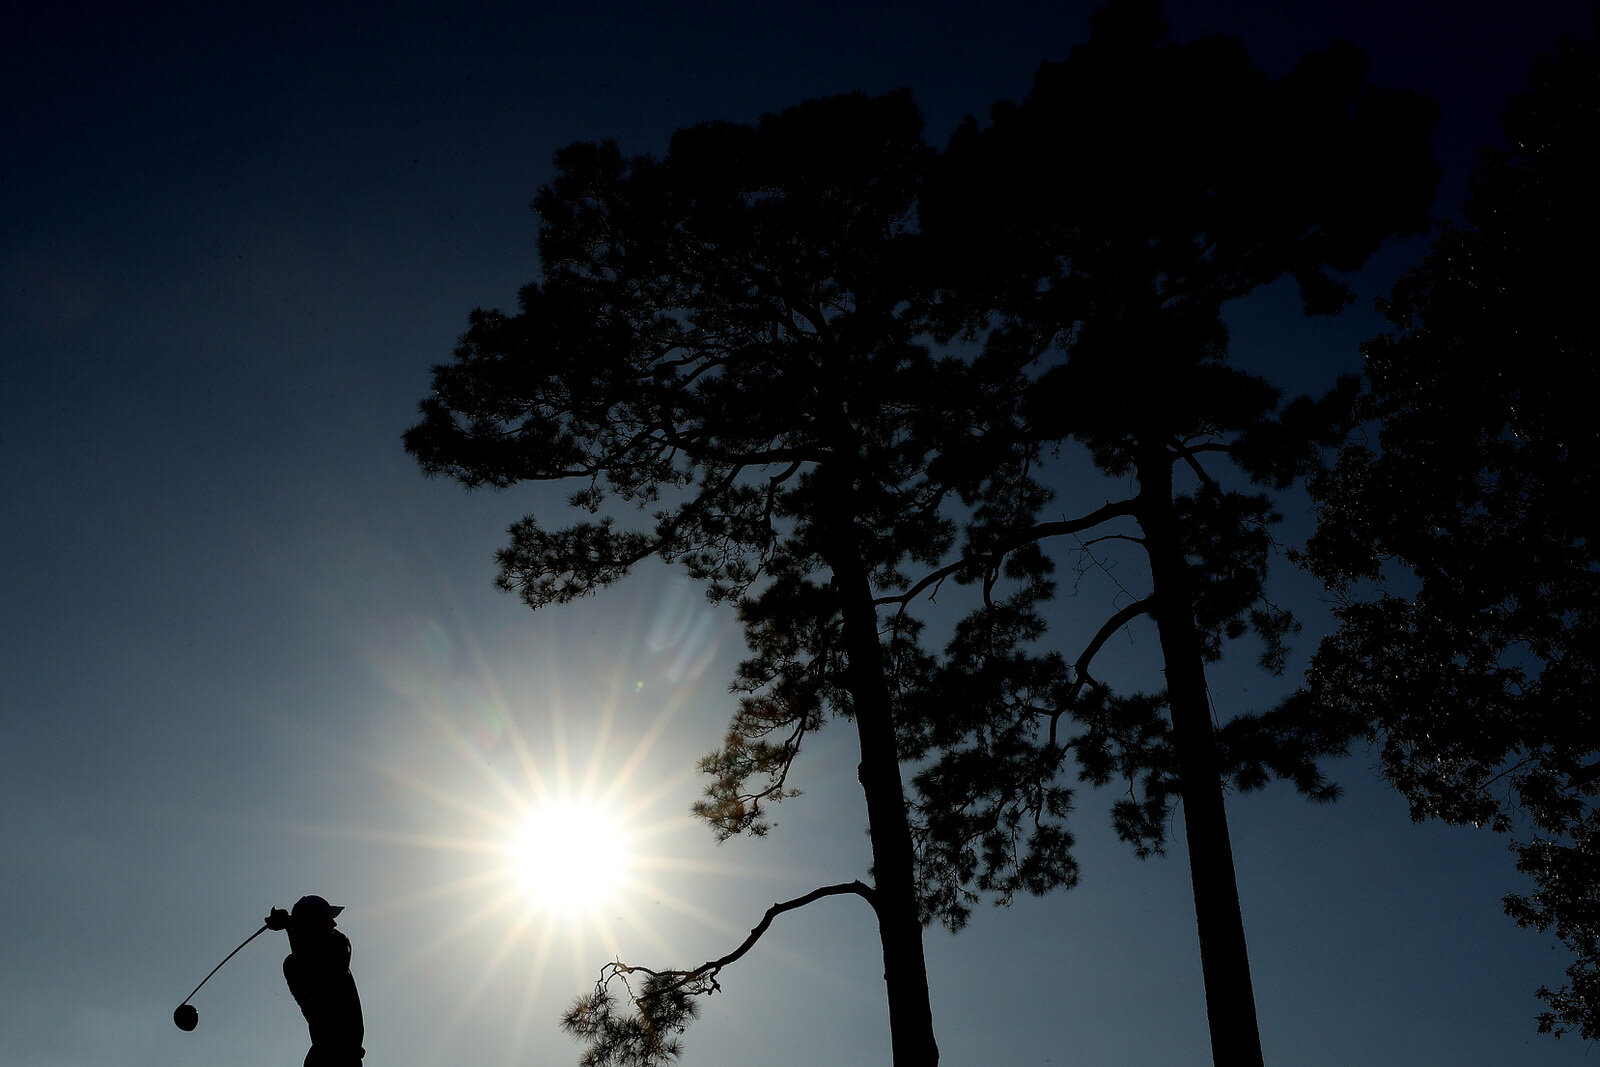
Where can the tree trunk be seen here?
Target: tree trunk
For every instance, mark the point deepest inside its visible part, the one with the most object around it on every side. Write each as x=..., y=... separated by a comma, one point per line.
x=1224, y=959
x=905, y=970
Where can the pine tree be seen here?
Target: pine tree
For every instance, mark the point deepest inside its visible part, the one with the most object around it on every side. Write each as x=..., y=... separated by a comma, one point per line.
x=1473, y=661
x=1108, y=219
x=732, y=336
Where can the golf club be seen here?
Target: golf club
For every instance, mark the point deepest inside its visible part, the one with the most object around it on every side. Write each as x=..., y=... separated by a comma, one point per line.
x=185, y=1015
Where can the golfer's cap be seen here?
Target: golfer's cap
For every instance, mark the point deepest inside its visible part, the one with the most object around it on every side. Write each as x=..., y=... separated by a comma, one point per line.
x=313, y=907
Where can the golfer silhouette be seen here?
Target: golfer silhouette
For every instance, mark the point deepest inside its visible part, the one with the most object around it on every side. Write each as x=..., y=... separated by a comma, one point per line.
x=318, y=972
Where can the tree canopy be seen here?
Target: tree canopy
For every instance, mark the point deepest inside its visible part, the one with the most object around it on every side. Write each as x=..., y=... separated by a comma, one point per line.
x=1107, y=220
x=1472, y=505
x=826, y=369
x=730, y=336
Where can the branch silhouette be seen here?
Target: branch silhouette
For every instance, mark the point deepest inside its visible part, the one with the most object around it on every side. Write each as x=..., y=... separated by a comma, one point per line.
x=664, y=1007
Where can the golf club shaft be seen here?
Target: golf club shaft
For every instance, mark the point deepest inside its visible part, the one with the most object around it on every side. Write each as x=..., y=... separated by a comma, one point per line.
x=225, y=959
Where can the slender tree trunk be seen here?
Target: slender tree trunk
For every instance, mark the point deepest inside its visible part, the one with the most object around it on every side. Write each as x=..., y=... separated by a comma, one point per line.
x=905, y=971
x=1224, y=959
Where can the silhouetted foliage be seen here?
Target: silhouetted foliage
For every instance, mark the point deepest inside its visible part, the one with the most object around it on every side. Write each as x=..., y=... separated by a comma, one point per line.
x=1106, y=221
x=1475, y=664
x=732, y=336
x=663, y=1009
x=737, y=337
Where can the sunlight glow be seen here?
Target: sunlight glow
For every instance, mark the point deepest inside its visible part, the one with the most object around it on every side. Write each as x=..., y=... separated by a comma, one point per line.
x=570, y=856
x=548, y=837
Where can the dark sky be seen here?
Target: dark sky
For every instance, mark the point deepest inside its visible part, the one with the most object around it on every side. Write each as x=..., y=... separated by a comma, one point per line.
x=247, y=651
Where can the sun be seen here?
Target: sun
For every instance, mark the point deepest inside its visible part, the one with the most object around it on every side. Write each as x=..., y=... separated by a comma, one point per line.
x=546, y=805
x=569, y=856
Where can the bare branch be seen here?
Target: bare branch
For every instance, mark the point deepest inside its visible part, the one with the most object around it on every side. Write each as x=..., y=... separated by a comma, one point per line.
x=1111, y=537
x=1037, y=532
x=1085, y=522
x=1122, y=618
x=1080, y=669
x=706, y=973
x=1188, y=456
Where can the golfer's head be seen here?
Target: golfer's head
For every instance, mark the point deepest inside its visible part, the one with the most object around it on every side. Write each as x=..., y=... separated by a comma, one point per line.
x=312, y=914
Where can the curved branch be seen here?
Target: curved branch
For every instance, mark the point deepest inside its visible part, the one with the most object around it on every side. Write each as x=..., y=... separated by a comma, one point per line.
x=1130, y=538
x=1101, y=514
x=1037, y=532
x=707, y=971
x=647, y=1036
x=1080, y=669
x=1189, y=454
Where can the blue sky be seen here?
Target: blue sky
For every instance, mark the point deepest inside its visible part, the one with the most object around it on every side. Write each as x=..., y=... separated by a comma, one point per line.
x=247, y=651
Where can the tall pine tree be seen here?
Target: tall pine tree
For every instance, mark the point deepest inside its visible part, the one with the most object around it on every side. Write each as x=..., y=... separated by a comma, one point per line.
x=1107, y=220
x=730, y=337
x=1475, y=662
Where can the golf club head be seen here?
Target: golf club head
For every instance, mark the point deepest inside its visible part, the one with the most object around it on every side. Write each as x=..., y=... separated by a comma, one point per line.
x=186, y=1017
